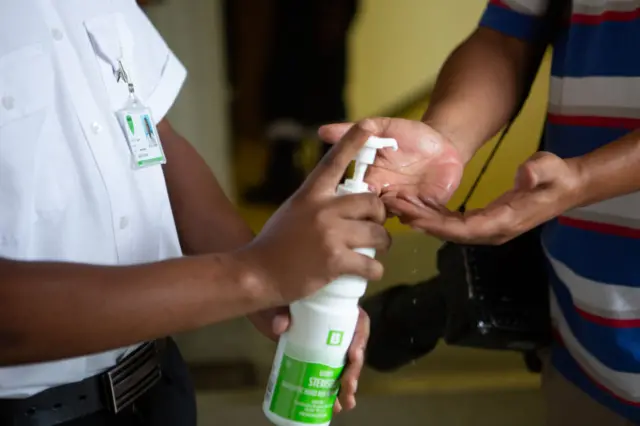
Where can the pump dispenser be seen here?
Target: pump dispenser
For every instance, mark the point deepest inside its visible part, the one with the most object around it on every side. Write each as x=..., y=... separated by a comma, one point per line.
x=311, y=355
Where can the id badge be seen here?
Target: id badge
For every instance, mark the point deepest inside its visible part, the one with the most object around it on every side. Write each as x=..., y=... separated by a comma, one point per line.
x=142, y=136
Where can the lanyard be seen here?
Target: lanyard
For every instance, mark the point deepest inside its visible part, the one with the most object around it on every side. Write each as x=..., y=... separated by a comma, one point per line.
x=117, y=51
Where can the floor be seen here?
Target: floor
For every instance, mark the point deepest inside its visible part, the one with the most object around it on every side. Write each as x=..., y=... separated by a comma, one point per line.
x=489, y=408
x=449, y=387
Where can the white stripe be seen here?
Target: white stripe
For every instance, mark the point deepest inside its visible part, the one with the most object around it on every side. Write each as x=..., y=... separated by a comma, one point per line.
x=623, y=211
x=605, y=300
x=528, y=7
x=598, y=7
x=596, y=93
x=625, y=385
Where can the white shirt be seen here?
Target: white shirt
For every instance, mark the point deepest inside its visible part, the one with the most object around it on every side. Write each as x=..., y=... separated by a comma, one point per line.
x=68, y=191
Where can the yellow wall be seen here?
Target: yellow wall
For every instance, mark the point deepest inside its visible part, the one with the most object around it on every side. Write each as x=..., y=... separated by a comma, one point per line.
x=397, y=48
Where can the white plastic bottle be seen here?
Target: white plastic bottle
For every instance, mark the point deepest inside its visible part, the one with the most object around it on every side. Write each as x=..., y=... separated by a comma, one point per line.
x=304, y=380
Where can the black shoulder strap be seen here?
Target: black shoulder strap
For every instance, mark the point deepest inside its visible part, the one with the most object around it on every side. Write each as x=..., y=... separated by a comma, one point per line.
x=555, y=22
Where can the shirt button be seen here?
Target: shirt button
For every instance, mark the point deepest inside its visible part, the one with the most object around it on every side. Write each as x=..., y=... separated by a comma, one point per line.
x=96, y=127
x=57, y=34
x=124, y=222
x=8, y=102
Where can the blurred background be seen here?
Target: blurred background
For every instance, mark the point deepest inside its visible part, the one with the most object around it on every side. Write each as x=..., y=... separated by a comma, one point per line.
x=262, y=75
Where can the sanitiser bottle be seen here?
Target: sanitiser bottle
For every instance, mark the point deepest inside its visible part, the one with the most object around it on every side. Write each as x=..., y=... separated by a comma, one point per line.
x=304, y=380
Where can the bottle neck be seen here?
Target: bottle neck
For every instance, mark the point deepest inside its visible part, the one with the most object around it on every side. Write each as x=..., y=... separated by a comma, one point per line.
x=359, y=171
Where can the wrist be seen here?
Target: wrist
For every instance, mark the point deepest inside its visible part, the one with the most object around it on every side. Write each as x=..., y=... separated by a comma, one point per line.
x=254, y=280
x=582, y=181
x=465, y=149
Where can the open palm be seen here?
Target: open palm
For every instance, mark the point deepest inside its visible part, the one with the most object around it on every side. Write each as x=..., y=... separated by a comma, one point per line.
x=426, y=167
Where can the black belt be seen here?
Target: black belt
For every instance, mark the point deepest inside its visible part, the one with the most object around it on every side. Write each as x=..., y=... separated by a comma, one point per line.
x=113, y=390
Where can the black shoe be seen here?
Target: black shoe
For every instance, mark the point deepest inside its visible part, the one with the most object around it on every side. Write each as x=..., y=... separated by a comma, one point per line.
x=407, y=321
x=283, y=176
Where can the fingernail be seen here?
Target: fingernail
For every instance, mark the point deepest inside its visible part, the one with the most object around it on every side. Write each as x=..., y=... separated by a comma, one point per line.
x=354, y=385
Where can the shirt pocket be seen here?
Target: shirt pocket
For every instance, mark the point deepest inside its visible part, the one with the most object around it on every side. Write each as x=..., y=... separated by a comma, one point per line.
x=28, y=132
x=25, y=87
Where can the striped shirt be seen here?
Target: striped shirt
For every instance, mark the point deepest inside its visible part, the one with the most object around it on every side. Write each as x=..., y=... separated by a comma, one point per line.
x=594, y=252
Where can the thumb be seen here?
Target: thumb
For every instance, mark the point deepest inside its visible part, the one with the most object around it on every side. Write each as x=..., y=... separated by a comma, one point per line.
x=541, y=169
x=332, y=133
x=281, y=321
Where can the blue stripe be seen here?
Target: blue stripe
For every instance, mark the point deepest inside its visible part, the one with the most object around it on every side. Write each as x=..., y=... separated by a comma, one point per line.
x=607, y=49
x=569, y=368
x=572, y=141
x=511, y=23
x=608, y=259
x=617, y=348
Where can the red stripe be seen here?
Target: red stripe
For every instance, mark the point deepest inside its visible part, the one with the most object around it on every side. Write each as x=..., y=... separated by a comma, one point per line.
x=557, y=337
x=608, y=322
x=499, y=3
x=608, y=16
x=592, y=121
x=599, y=385
x=603, y=228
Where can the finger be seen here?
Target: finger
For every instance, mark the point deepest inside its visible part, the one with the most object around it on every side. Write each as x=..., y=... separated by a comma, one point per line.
x=328, y=173
x=360, y=207
x=441, y=223
x=355, y=362
x=367, y=234
x=347, y=401
x=281, y=321
x=353, y=263
x=332, y=133
x=480, y=227
x=408, y=211
x=337, y=407
x=542, y=168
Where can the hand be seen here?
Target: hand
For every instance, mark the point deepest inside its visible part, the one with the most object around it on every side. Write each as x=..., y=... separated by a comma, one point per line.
x=309, y=241
x=426, y=167
x=355, y=362
x=273, y=322
x=545, y=187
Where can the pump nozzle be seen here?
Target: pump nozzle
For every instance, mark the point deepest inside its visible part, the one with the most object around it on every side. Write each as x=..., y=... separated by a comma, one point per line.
x=365, y=157
x=367, y=154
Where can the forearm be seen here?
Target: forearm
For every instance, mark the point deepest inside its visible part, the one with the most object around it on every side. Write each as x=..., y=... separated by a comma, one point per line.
x=610, y=171
x=206, y=220
x=53, y=310
x=478, y=89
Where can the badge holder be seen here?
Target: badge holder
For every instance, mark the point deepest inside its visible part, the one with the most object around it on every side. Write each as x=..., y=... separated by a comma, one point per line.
x=139, y=128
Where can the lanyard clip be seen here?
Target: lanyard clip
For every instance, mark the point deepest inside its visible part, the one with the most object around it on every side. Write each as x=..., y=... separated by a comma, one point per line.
x=121, y=74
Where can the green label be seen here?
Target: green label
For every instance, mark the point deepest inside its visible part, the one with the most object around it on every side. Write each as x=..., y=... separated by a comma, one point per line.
x=130, y=123
x=305, y=392
x=335, y=338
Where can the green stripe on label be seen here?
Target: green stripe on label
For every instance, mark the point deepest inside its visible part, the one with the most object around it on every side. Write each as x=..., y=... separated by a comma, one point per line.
x=150, y=161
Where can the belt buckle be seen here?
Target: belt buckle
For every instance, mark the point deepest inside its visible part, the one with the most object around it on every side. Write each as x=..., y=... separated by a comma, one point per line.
x=133, y=376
